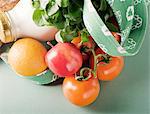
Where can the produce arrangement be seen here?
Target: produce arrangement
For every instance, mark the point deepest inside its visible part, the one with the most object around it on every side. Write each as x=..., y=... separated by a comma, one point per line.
x=75, y=55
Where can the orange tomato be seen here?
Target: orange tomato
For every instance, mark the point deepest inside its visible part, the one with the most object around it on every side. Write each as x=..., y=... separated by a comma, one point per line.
x=77, y=40
x=81, y=93
x=109, y=71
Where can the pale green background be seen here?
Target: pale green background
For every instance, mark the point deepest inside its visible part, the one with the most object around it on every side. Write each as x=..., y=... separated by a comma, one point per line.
x=129, y=93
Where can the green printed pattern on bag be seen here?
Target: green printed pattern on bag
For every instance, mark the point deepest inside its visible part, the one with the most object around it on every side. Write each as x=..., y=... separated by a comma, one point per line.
x=45, y=77
x=132, y=21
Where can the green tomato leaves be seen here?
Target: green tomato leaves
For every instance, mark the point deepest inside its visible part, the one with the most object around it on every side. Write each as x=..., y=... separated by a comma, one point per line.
x=64, y=3
x=39, y=17
x=68, y=34
x=84, y=37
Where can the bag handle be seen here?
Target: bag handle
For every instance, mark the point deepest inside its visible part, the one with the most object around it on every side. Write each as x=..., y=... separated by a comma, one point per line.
x=125, y=12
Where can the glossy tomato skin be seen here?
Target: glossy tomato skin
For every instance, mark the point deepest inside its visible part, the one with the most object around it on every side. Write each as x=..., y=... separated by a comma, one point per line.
x=64, y=59
x=81, y=93
x=109, y=71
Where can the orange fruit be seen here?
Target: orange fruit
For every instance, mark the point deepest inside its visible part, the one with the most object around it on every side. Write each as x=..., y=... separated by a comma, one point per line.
x=26, y=57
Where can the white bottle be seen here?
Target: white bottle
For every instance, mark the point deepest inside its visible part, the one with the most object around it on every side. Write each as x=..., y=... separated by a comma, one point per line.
x=18, y=23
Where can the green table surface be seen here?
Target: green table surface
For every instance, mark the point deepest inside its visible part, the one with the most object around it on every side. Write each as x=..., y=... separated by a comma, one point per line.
x=129, y=93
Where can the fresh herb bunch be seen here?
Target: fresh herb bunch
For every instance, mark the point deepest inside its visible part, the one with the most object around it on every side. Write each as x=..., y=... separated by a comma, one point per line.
x=66, y=15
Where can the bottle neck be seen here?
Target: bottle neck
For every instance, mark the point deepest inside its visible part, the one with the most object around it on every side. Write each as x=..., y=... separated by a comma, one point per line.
x=6, y=34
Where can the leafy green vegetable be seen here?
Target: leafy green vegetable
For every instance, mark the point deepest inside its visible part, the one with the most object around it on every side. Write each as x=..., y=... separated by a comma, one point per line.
x=36, y=3
x=66, y=15
x=38, y=17
x=103, y=5
x=68, y=35
x=84, y=37
x=64, y=3
x=57, y=20
x=49, y=7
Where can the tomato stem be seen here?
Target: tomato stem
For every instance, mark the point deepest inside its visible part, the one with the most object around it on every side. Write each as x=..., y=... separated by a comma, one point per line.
x=95, y=63
x=101, y=55
x=106, y=58
x=82, y=77
x=94, y=71
x=80, y=44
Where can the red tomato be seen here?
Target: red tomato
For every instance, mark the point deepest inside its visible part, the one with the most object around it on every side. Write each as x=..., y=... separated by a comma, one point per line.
x=99, y=51
x=64, y=59
x=81, y=93
x=114, y=21
x=109, y=71
x=85, y=59
x=117, y=36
